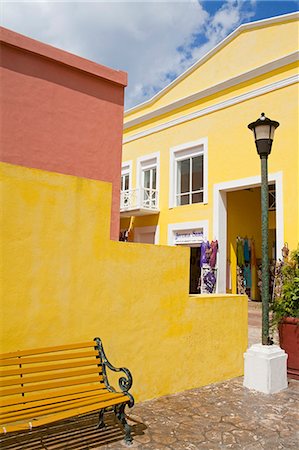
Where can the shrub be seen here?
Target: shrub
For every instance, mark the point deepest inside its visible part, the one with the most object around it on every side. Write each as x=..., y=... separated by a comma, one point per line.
x=287, y=304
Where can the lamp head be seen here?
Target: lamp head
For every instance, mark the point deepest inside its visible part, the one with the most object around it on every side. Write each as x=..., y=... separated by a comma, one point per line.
x=263, y=130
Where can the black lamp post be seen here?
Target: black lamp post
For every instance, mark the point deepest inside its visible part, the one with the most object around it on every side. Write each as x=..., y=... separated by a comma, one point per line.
x=263, y=130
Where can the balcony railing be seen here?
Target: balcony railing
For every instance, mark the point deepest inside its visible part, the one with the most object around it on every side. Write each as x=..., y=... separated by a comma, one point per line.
x=142, y=201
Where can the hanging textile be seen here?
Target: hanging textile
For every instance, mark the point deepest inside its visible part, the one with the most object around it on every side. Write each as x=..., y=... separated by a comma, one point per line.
x=240, y=281
x=246, y=251
x=205, y=253
x=214, y=250
x=240, y=252
x=208, y=279
x=254, y=291
x=247, y=276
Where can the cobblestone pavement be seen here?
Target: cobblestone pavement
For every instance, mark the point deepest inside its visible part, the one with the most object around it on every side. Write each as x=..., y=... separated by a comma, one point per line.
x=220, y=416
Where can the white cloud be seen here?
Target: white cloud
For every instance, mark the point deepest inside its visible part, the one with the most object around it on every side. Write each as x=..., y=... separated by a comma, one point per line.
x=153, y=41
x=227, y=18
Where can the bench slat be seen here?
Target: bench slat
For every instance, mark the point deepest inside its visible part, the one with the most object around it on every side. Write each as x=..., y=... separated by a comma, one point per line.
x=45, y=386
x=25, y=404
x=41, y=359
x=48, y=367
x=61, y=416
x=38, y=351
x=51, y=394
x=50, y=376
x=53, y=408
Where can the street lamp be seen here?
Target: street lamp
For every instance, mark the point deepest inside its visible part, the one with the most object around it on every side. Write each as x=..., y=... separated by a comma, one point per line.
x=263, y=130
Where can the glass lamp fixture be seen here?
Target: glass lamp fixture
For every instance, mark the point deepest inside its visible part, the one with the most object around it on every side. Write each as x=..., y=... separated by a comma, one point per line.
x=263, y=130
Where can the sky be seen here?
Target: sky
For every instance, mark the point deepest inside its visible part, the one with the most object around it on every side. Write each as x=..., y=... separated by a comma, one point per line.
x=154, y=41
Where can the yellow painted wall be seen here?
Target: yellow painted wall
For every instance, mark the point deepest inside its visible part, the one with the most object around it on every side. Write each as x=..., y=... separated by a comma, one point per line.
x=231, y=156
x=65, y=281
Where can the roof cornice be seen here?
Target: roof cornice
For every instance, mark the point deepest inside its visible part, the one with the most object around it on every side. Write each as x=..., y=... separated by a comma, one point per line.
x=246, y=76
x=223, y=43
x=216, y=107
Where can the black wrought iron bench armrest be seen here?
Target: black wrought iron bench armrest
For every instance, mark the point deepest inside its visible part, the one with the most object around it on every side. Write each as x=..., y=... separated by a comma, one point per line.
x=124, y=383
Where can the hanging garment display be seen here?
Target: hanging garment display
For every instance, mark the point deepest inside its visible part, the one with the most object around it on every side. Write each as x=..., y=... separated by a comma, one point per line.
x=246, y=251
x=208, y=273
x=208, y=279
x=205, y=253
x=247, y=276
x=214, y=250
x=246, y=267
x=240, y=281
x=240, y=252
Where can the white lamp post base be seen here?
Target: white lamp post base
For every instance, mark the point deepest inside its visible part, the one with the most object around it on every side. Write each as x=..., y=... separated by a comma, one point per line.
x=265, y=368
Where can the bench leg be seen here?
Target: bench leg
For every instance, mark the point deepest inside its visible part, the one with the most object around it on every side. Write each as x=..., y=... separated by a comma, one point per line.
x=101, y=423
x=122, y=418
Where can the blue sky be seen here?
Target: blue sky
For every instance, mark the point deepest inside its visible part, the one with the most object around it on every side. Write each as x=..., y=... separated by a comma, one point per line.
x=154, y=41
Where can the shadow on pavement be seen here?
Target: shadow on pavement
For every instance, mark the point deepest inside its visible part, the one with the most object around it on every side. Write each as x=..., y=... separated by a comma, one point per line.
x=76, y=434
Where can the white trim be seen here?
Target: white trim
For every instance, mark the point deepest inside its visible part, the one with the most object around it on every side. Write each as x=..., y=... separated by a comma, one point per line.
x=186, y=150
x=138, y=231
x=126, y=168
x=246, y=76
x=148, y=161
x=184, y=226
x=223, y=43
x=218, y=106
x=279, y=213
x=220, y=217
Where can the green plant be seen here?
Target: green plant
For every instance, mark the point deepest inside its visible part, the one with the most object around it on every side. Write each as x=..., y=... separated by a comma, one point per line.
x=287, y=304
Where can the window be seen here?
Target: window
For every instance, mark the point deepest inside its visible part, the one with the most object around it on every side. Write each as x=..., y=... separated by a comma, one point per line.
x=188, y=174
x=125, y=184
x=148, y=180
x=189, y=187
x=149, y=187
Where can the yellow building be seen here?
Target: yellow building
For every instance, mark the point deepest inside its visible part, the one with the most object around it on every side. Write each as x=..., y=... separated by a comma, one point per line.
x=190, y=170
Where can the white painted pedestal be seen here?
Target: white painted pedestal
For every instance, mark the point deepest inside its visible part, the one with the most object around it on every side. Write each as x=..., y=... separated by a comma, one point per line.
x=265, y=368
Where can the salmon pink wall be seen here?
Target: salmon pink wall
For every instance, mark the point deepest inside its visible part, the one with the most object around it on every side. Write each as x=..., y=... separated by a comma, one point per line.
x=61, y=113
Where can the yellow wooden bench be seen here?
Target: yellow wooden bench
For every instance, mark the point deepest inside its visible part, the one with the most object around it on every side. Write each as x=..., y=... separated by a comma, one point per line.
x=44, y=385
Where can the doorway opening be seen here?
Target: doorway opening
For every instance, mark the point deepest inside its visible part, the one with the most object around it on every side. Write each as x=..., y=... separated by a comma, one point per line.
x=244, y=204
x=244, y=241
x=194, y=277
x=192, y=235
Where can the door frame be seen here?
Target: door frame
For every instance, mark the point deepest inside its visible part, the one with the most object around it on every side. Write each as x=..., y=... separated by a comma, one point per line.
x=220, y=217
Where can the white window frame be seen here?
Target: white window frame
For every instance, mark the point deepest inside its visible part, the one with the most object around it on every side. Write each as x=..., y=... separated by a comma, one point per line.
x=126, y=169
x=179, y=153
x=149, y=162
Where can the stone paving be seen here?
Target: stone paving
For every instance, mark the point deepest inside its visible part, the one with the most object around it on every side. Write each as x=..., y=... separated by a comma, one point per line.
x=219, y=416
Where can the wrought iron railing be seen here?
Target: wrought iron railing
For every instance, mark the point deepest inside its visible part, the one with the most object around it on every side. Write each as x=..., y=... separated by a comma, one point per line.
x=139, y=199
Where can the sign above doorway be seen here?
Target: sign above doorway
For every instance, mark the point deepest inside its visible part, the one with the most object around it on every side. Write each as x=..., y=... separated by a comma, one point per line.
x=188, y=237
